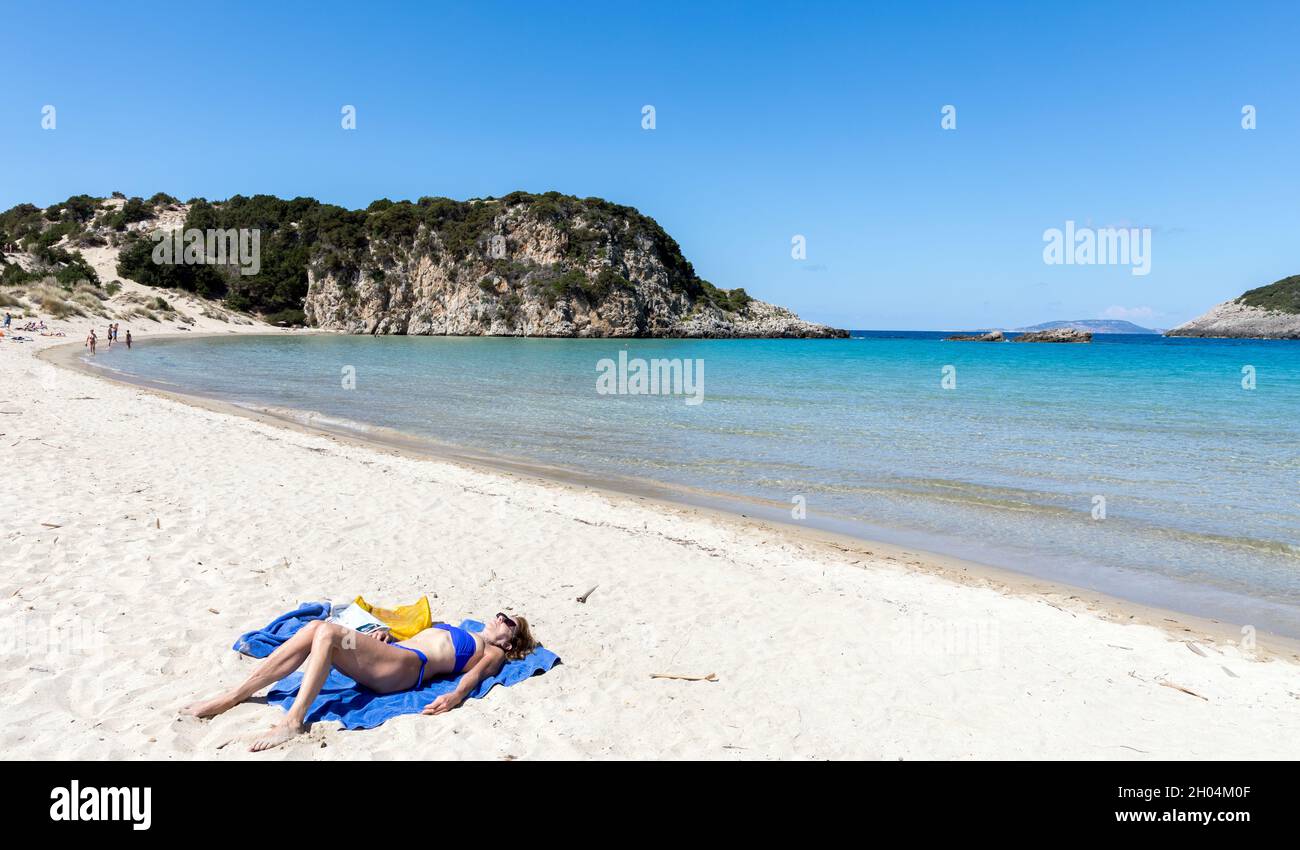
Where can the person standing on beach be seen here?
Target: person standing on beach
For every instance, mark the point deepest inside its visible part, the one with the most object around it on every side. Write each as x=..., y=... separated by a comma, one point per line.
x=90, y=341
x=8, y=319
x=128, y=339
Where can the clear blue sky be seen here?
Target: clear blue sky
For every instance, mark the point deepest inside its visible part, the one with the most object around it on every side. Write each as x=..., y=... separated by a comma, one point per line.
x=772, y=120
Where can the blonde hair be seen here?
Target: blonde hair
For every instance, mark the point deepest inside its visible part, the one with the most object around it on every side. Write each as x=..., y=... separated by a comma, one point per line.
x=523, y=642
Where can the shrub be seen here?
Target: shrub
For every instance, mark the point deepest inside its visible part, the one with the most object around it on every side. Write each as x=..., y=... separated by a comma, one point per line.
x=18, y=222
x=51, y=301
x=89, y=239
x=89, y=302
x=294, y=318
x=1283, y=295
x=14, y=275
x=76, y=270
x=80, y=208
x=135, y=209
x=95, y=292
x=508, y=309
x=727, y=300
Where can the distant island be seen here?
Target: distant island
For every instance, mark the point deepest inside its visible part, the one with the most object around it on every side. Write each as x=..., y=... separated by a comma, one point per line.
x=1268, y=312
x=524, y=264
x=1098, y=326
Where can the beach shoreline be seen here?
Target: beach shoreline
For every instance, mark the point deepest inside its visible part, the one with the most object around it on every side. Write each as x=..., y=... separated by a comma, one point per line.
x=714, y=506
x=171, y=525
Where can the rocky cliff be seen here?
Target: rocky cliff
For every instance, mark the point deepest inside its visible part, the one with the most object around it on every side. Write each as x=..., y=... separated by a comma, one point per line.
x=1269, y=312
x=521, y=265
x=529, y=265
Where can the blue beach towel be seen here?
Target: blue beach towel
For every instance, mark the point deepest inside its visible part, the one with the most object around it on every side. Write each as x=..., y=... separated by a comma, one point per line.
x=344, y=700
x=262, y=642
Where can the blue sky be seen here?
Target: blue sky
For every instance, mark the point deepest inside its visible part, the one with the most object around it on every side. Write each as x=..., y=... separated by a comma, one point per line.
x=772, y=120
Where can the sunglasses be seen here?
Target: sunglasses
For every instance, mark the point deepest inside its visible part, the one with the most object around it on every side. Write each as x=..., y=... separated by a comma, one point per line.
x=509, y=622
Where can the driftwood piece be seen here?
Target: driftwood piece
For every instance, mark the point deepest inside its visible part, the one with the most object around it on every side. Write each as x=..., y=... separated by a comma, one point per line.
x=1169, y=684
x=712, y=677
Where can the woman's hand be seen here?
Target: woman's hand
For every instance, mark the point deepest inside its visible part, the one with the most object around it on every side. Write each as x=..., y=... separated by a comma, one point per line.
x=381, y=635
x=442, y=704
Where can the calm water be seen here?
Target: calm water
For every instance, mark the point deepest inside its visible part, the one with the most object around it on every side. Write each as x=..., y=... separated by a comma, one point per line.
x=1201, y=478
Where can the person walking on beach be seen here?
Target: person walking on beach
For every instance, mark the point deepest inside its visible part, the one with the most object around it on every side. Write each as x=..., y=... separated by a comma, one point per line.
x=8, y=319
x=128, y=339
x=90, y=341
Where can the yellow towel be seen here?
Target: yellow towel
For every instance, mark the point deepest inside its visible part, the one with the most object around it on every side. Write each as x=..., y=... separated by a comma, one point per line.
x=406, y=621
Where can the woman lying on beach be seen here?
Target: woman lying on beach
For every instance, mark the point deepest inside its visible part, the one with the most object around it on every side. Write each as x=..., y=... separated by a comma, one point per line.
x=375, y=663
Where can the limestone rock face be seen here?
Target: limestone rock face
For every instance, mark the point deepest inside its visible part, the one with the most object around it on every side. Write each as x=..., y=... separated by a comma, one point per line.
x=1056, y=335
x=1234, y=319
x=532, y=265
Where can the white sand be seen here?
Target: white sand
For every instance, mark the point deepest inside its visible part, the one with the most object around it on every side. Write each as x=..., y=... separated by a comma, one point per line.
x=171, y=529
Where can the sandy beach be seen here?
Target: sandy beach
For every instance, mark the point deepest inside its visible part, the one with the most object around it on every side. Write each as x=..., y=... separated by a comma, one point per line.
x=142, y=534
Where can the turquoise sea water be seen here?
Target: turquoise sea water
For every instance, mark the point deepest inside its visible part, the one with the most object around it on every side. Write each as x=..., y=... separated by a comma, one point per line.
x=1200, y=476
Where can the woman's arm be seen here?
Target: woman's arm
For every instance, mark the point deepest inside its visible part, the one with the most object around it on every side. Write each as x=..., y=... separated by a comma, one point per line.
x=488, y=665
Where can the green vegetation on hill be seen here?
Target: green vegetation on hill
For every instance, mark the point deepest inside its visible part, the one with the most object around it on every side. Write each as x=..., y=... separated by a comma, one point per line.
x=27, y=228
x=289, y=233
x=303, y=232
x=1283, y=295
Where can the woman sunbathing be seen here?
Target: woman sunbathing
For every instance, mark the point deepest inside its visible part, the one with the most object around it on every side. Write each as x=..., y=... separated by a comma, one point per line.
x=376, y=663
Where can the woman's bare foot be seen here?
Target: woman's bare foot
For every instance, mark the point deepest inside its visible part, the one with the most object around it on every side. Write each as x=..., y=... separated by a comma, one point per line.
x=211, y=707
x=285, y=730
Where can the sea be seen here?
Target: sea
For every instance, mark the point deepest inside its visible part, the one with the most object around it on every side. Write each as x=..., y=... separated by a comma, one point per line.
x=1165, y=471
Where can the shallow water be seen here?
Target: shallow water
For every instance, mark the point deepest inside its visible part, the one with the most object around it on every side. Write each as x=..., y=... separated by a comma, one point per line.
x=1200, y=476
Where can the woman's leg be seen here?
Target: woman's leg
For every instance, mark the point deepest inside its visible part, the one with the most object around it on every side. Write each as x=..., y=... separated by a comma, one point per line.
x=286, y=658
x=373, y=663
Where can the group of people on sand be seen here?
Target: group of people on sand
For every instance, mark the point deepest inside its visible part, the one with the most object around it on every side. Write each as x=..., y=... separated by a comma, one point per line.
x=32, y=324
x=92, y=340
